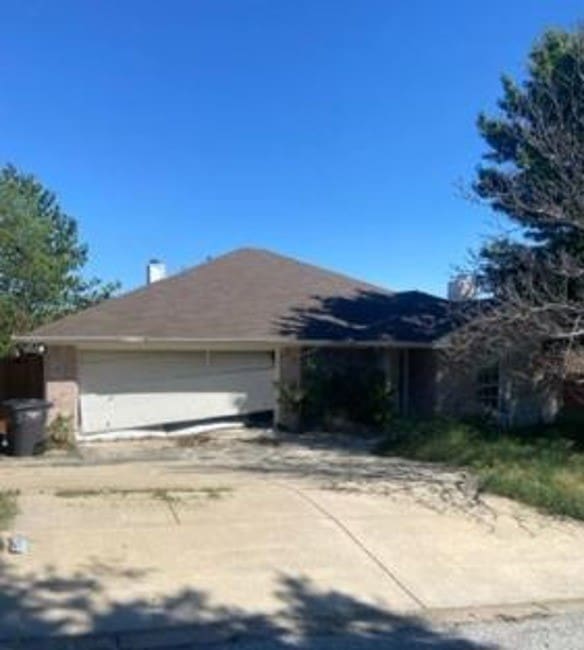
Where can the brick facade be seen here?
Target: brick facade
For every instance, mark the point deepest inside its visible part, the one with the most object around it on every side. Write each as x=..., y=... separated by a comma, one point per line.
x=524, y=399
x=61, y=383
x=290, y=374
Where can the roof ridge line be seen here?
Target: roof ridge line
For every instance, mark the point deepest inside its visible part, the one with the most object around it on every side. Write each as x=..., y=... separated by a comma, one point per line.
x=317, y=267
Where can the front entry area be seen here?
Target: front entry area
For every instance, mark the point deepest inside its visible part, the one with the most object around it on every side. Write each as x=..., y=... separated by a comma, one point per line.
x=136, y=389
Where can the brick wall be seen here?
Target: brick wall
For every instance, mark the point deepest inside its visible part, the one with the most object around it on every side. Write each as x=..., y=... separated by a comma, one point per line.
x=525, y=399
x=61, y=385
x=290, y=374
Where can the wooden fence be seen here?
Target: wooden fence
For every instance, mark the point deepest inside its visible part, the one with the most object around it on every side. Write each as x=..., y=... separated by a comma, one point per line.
x=21, y=376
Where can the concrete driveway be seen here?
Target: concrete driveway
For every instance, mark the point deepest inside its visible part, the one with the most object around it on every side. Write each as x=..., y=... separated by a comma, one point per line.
x=242, y=534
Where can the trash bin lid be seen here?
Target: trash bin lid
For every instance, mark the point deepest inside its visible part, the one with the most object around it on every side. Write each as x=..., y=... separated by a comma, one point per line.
x=26, y=404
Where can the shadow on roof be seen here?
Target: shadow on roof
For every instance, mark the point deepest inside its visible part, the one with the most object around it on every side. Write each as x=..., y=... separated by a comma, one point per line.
x=409, y=316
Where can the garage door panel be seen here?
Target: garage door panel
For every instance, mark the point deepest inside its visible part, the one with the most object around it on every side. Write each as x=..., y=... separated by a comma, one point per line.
x=240, y=359
x=129, y=390
x=124, y=370
x=169, y=382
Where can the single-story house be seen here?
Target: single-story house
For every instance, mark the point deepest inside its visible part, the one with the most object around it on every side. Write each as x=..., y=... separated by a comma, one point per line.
x=214, y=342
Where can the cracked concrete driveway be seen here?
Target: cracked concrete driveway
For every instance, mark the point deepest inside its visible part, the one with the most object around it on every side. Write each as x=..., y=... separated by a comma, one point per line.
x=248, y=533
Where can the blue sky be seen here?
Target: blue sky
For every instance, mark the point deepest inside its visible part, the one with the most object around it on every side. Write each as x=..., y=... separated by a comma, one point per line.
x=332, y=131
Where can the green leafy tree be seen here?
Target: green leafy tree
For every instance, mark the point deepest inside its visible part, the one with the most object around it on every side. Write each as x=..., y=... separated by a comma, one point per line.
x=533, y=171
x=533, y=174
x=41, y=258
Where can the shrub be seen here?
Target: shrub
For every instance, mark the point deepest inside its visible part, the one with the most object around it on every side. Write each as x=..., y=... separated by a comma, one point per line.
x=61, y=433
x=8, y=508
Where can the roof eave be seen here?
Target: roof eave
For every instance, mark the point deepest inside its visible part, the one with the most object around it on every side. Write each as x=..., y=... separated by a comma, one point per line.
x=275, y=342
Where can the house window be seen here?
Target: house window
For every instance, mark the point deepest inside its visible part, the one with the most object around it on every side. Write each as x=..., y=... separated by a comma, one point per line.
x=488, y=388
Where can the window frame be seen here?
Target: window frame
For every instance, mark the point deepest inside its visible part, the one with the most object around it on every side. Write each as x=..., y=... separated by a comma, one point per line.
x=488, y=388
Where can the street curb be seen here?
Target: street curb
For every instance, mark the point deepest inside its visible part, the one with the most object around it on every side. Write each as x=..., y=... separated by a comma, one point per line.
x=506, y=613
x=210, y=634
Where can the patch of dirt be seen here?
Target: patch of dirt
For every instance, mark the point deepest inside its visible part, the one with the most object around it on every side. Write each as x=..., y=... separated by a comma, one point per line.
x=193, y=441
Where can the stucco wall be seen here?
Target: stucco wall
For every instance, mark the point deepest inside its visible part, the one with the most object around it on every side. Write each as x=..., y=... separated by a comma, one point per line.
x=61, y=382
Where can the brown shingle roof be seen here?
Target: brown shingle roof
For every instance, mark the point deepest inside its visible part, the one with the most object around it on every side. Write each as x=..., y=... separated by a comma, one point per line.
x=256, y=295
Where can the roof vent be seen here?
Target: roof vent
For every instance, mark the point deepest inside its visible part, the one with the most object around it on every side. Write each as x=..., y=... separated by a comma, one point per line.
x=155, y=271
x=462, y=287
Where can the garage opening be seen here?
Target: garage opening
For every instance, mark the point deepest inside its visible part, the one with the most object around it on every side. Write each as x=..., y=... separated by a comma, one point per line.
x=125, y=390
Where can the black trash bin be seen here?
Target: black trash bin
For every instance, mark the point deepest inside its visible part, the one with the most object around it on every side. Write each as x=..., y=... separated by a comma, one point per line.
x=27, y=419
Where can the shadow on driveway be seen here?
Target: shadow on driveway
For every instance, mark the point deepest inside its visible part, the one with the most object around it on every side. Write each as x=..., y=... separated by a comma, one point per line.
x=30, y=619
x=337, y=462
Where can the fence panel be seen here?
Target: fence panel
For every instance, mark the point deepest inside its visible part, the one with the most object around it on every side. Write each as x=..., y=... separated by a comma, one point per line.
x=21, y=376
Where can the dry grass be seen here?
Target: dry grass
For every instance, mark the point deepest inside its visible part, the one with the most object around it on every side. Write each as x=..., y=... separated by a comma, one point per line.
x=8, y=508
x=540, y=467
x=209, y=492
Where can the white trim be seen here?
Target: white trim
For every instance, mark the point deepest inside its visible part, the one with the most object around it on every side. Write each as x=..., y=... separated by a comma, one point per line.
x=152, y=343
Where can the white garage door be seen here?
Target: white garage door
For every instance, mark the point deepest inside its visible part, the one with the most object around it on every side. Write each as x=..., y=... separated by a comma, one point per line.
x=128, y=390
